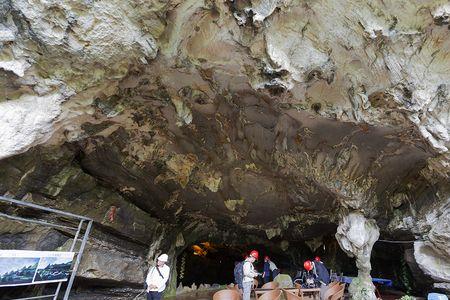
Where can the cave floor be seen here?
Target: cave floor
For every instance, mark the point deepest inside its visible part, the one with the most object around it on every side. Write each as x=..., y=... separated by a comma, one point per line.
x=207, y=295
x=201, y=295
x=198, y=295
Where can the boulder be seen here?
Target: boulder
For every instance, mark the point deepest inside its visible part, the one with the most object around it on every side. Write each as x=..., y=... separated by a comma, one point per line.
x=432, y=262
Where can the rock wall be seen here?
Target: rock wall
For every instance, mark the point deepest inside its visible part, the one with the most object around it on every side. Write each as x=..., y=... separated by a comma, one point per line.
x=432, y=254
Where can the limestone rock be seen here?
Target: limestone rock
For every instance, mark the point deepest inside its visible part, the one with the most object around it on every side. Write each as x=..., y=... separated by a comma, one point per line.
x=356, y=236
x=314, y=243
x=232, y=204
x=271, y=117
x=104, y=261
x=439, y=235
x=442, y=286
x=432, y=255
x=27, y=121
x=433, y=264
x=20, y=235
x=82, y=45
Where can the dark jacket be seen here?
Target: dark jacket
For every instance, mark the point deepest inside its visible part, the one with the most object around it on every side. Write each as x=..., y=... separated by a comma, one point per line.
x=322, y=272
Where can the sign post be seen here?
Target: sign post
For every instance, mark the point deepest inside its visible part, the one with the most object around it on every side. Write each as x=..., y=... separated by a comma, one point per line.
x=20, y=267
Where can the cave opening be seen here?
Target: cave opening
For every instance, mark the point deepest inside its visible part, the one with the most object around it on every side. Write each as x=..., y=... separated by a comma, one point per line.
x=209, y=263
x=205, y=262
x=391, y=260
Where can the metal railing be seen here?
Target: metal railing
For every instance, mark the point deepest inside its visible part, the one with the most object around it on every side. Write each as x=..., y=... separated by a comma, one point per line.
x=83, y=222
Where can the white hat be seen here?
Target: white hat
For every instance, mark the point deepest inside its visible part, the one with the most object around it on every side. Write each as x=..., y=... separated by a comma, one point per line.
x=163, y=258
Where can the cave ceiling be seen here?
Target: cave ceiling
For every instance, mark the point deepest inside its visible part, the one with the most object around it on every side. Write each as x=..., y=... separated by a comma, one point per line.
x=268, y=116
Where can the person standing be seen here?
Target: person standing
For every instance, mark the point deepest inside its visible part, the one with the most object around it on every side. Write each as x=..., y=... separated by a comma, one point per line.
x=249, y=274
x=238, y=273
x=266, y=273
x=273, y=268
x=321, y=270
x=157, y=278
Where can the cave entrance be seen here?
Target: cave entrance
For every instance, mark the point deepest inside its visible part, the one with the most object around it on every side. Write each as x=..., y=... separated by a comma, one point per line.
x=213, y=263
x=390, y=261
x=207, y=263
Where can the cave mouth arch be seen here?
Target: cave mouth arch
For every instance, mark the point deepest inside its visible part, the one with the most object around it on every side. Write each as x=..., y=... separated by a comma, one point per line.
x=206, y=262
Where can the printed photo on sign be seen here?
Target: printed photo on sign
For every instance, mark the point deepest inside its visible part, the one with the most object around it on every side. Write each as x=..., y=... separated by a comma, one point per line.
x=21, y=267
x=17, y=270
x=53, y=268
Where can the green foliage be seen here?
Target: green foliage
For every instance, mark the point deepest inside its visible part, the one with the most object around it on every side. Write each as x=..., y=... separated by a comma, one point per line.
x=405, y=276
x=407, y=297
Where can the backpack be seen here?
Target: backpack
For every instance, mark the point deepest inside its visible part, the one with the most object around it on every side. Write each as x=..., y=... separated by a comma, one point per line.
x=239, y=274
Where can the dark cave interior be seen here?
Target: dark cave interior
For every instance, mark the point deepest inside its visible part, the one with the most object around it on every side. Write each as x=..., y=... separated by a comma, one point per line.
x=214, y=263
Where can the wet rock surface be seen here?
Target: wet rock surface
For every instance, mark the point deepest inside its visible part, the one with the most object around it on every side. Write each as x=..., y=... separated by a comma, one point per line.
x=168, y=122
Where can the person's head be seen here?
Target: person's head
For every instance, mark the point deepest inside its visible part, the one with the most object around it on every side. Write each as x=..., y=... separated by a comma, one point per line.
x=308, y=265
x=162, y=259
x=266, y=258
x=253, y=255
x=317, y=258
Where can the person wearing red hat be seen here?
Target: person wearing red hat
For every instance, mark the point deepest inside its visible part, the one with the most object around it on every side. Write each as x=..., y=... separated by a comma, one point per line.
x=249, y=274
x=269, y=267
x=310, y=276
x=308, y=265
x=323, y=276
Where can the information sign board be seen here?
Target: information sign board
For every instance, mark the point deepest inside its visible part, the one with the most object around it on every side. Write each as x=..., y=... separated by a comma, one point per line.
x=21, y=267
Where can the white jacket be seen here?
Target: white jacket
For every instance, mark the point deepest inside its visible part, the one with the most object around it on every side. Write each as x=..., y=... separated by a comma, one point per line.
x=249, y=272
x=153, y=278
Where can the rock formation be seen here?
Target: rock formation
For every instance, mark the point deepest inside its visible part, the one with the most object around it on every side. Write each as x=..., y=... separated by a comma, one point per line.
x=432, y=254
x=356, y=236
x=240, y=121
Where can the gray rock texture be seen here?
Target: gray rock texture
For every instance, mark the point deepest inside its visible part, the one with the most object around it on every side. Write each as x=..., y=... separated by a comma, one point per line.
x=111, y=263
x=432, y=254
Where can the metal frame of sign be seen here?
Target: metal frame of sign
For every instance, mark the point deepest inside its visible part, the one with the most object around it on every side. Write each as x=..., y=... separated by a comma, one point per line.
x=81, y=235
